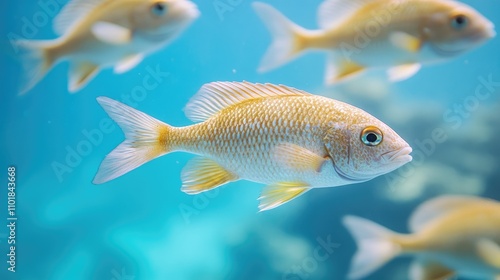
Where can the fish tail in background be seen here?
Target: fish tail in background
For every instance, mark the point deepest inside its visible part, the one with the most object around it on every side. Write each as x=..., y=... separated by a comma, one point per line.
x=289, y=39
x=36, y=60
x=375, y=246
x=146, y=138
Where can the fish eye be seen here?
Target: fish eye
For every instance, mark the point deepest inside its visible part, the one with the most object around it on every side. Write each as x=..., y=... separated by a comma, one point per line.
x=459, y=22
x=159, y=9
x=371, y=136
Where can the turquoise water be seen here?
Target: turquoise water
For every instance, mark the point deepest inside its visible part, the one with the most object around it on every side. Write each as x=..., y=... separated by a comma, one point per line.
x=141, y=226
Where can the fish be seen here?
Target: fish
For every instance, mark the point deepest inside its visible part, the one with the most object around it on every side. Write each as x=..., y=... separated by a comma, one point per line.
x=451, y=235
x=280, y=136
x=96, y=34
x=398, y=36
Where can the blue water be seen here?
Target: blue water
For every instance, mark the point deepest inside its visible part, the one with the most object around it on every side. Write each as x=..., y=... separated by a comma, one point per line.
x=141, y=226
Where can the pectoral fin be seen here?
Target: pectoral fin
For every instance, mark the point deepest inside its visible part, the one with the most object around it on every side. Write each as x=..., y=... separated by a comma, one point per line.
x=403, y=72
x=429, y=270
x=111, y=33
x=280, y=193
x=80, y=74
x=299, y=158
x=339, y=68
x=406, y=41
x=489, y=252
x=128, y=63
x=203, y=174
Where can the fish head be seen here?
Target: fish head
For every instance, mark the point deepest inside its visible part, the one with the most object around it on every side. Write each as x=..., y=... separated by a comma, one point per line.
x=161, y=20
x=455, y=28
x=365, y=150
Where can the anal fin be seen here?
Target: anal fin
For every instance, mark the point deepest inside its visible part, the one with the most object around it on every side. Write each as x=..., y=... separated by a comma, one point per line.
x=80, y=74
x=403, y=72
x=280, y=193
x=339, y=68
x=429, y=270
x=128, y=63
x=203, y=174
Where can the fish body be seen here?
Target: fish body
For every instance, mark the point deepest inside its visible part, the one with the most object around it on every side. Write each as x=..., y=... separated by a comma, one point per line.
x=396, y=35
x=452, y=235
x=106, y=33
x=286, y=138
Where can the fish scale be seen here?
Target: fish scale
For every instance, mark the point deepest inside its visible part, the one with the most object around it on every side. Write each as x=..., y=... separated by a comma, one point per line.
x=286, y=138
x=230, y=127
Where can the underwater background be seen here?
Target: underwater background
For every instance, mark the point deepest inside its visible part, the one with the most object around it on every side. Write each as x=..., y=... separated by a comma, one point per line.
x=141, y=226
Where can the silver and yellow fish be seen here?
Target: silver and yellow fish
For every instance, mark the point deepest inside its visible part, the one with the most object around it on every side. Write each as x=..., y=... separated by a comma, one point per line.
x=398, y=35
x=451, y=236
x=277, y=135
x=96, y=34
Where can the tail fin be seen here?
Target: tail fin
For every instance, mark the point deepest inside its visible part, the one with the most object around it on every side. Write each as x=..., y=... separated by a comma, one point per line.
x=375, y=246
x=146, y=139
x=36, y=62
x=288, y=41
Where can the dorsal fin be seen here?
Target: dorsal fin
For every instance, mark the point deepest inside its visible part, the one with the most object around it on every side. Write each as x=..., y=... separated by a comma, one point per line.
x=333, y=12
x=213, y=97
x=436, y=208
x=72, y=13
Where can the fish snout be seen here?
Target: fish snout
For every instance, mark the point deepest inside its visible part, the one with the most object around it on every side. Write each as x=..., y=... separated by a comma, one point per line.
x=490, y=31
x=191, y=9
x=485, y=31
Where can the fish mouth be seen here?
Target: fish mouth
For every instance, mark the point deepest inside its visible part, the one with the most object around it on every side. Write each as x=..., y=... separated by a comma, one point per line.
x=393, y=160
x=483, y=35
x=491, y=33
x=401, y=156
x=473, y=40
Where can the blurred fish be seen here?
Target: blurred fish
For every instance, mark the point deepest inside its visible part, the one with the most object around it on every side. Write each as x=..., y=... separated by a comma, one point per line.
x=391, y=34
x=451, y=235
x=277, y=135
x=102, y=33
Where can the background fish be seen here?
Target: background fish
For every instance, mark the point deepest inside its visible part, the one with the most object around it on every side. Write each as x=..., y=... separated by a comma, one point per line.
x=396, y=35
x=103, y=33
x=451, y=235
x=277, y=135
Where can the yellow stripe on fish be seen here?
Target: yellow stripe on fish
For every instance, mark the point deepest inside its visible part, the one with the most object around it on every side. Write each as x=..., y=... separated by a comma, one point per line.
x=271, y=134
